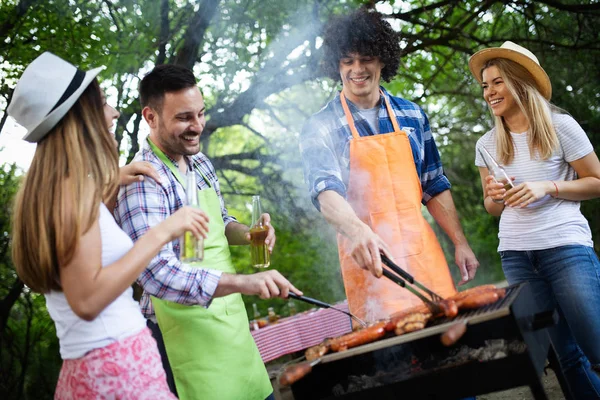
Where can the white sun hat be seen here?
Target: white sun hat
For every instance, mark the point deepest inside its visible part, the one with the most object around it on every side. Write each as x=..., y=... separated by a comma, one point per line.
x=520, y=55
x=45, y=92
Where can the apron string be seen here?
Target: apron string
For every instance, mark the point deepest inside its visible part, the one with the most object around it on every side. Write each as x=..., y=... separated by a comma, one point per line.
x=169, y=164
x=350, y=117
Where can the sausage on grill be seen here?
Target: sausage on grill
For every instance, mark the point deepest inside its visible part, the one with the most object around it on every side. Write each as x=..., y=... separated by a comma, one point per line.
x=412, y=322
x=478, y=297
x=360, y=337
x=454, y=332
x=318, y=351
x=469, y=292
x=294, y=373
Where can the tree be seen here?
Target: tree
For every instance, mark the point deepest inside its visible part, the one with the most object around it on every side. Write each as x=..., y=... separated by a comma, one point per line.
x=258, y=66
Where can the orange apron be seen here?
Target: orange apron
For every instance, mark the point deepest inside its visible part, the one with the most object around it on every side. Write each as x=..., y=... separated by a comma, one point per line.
x=385, y=192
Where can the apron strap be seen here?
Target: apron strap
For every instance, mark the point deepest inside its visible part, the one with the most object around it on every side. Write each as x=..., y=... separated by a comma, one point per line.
x=350, y=117
x=169, y=164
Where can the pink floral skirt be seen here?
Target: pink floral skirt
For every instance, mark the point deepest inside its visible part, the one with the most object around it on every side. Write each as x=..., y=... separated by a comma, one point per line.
x=128, y=369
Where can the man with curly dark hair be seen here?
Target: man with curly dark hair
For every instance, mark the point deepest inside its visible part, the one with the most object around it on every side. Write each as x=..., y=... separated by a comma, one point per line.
x=369, y=173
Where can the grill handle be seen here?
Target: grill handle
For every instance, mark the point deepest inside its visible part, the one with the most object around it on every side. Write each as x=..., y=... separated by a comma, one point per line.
x=544, y=319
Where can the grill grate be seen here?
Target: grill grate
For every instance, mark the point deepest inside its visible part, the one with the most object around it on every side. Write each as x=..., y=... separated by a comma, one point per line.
x=502, y=304
x=500, y=341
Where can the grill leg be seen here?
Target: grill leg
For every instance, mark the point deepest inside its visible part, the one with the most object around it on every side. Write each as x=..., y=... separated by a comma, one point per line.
x=560, y=376
x=537, y=390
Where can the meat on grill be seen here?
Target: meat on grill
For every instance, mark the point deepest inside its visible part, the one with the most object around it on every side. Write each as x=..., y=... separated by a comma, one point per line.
x=360, y=337
x=318, y=351
x=477, y=297
x=412, y=322
x=454, y=332
x=412, y=319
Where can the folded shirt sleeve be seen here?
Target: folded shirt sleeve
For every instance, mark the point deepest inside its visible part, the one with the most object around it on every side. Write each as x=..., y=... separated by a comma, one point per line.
x=141, y=206
x=320, y=164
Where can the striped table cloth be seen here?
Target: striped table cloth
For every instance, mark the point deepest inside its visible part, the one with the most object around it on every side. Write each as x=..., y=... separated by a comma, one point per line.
x=296, y=333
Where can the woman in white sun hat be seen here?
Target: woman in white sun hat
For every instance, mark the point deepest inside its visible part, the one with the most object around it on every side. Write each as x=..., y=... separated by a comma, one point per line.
x=67, y=245
x=544, y=238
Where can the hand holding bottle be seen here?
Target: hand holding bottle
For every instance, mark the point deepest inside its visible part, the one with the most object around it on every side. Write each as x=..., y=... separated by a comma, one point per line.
x=271, y=237
x=261, y=236
x=186, y=219
x=528, y=192
x=192, y=246
x=496, y=190
x=498, y=175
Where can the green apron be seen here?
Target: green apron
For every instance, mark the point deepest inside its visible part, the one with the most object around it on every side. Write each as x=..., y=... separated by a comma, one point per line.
x=211, y=351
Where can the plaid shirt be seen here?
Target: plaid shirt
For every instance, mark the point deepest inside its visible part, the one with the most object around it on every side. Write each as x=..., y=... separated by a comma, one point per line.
x=140, y=206
x=325, y=146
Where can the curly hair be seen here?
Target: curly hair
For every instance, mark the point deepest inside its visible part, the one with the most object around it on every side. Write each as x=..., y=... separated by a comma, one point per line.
x=363, y=32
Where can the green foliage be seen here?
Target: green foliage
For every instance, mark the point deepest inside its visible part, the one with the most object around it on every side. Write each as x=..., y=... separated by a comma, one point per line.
x=29, y=357
x=257, y=62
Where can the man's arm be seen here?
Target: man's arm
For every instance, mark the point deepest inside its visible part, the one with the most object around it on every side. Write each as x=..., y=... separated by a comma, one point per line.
x=442, y=208
x=239, y=234
x=366, y=244
x=437, y=198
x=144, y=204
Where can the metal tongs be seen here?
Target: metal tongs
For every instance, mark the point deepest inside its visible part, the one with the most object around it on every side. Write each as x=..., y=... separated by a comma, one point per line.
x=322, y=304
x=430, y=302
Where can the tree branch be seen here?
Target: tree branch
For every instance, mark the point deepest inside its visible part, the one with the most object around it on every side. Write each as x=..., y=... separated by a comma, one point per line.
x=163, y=36
x=194, y=35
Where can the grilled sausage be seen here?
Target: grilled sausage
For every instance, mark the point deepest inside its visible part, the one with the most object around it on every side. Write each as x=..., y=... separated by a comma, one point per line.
x=412, y=322
x=318, y=351
x=360, y=337
x=469, y=292
x=449, y=308
x=454, y=332
x=294, y=373
x=396, y=317
x=478, y=300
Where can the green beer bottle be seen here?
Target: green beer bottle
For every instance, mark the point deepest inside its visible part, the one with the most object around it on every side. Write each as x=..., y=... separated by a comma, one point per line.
x=192, y=249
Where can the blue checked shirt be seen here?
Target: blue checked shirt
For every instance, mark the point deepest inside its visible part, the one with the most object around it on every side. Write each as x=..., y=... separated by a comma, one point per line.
x=325, y=146
x=140, y=206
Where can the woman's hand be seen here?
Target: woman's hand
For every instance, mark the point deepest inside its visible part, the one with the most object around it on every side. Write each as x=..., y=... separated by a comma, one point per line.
x=494, y=189
x=135, y=172
x=183, y=220
x=527, y=192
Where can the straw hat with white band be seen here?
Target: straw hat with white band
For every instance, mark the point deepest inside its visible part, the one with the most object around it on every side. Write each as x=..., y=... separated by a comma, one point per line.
x=520, y=55
x=45, y=93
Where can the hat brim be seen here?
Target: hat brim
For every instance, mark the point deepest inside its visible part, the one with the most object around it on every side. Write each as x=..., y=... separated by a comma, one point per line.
x=38, y=132
x=478, y=60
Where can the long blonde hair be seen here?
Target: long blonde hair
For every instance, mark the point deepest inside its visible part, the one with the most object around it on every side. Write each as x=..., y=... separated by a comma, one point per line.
x=538, y=111
x=74, y=168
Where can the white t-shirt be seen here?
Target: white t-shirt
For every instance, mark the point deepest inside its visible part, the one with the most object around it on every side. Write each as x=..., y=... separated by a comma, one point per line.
x=121, y=319
x=371, y=115
x=547, y=222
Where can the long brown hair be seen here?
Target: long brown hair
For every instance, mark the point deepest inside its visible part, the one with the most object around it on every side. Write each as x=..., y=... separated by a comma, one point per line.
x=74, y=168
x=538, y=111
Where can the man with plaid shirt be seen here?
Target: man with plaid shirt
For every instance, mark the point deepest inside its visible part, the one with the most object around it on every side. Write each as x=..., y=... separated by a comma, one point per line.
x=196, y=308
x=371, y=162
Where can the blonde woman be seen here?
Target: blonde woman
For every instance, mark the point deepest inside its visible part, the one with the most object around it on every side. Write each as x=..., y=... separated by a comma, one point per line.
x=67, y=245
x=544, y=238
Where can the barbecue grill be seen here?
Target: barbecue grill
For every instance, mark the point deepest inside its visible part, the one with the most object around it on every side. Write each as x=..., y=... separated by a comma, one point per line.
x=506, y=345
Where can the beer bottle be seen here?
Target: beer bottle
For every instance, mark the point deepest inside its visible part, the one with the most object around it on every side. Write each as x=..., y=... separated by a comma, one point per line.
x=271, y=316
x=192, y=249
x=292, y=308
x=259, y=251
x=496, y=170
x=254, y=324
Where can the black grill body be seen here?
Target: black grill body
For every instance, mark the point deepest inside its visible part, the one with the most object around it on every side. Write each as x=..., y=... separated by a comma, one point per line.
x=506, y=345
